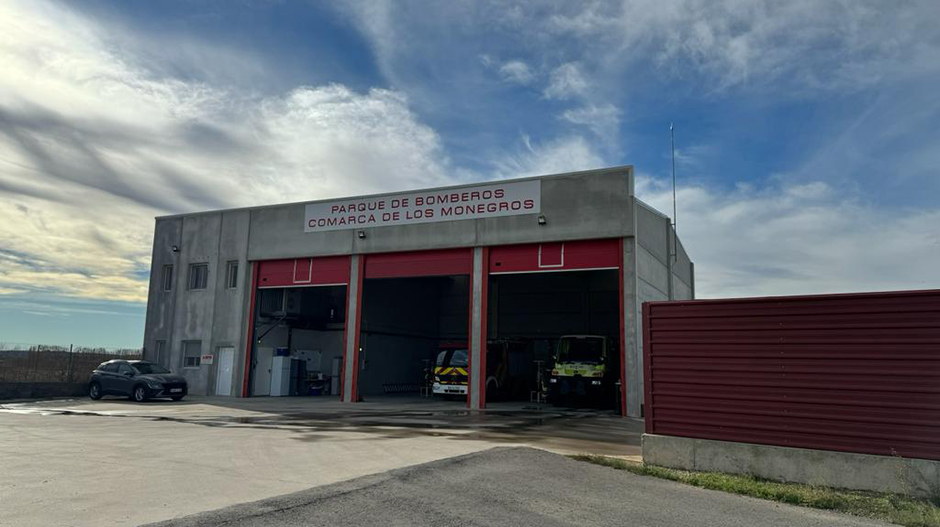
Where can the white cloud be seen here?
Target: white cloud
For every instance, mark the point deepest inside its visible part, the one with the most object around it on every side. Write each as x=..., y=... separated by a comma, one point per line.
x=781, y=239
x=603, y=120
x=567, y=154
x=95, y=140
x=93, y=144
x=801, y=45
x=512, y=71
x=516, y=71
x=566, y=82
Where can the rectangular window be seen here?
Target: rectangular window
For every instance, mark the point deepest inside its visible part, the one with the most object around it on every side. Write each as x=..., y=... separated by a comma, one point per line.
x=192, y=353
x=167, y=278
x=198, y=275
x=159, y=348
x=231, y=274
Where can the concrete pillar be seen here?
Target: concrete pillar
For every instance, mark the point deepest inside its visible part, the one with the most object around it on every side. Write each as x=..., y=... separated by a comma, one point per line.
x=476, y=399
x=633, y=373
x=351, y=335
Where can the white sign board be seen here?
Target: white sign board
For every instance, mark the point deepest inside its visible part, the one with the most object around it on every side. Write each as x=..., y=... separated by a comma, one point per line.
x=207, y=359
x=482, y=201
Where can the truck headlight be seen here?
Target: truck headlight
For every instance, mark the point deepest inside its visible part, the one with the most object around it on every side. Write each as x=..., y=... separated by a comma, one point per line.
x=437, y=378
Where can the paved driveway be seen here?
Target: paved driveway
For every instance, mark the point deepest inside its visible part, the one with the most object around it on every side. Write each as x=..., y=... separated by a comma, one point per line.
x=78, y=462
x=514, y=486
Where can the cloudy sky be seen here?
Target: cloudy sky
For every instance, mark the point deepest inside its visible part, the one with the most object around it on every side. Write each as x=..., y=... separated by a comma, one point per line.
x=807, y=131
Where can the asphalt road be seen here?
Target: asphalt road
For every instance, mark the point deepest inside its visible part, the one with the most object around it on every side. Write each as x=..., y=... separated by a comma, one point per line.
x=513, y=486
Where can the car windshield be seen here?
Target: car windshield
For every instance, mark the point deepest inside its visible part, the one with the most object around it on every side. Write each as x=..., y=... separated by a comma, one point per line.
x=149, y=367
x=452, y=358
x=586, y=349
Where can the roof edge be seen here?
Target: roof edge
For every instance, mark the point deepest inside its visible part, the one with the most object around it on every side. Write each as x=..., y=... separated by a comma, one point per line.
x=597, y=171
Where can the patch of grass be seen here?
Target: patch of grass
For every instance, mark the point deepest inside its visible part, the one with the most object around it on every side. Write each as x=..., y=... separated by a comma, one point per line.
x=895, y=508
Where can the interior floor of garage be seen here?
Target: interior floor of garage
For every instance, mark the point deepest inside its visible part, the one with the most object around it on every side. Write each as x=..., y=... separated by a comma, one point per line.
x=405, y=324
x=529, y=313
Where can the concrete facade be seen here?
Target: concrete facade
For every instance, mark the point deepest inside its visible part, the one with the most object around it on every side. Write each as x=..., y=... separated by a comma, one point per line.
x=917, y=477
x=587, y=205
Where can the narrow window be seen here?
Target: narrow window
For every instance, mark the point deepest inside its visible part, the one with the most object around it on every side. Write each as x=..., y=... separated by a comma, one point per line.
x=198, y=275
x=231, y=274
x=168, y=277
x=192, y=353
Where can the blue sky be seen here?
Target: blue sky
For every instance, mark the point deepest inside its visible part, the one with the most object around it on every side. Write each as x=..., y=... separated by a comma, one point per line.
x=806, y=131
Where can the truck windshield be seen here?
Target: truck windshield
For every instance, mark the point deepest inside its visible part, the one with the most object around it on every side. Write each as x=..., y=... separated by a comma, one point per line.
x=452, y=358
x=590, y=350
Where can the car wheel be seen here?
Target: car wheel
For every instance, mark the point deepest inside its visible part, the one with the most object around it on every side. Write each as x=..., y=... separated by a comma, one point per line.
x=94, y=391
x=177, y=397
x=139, y=394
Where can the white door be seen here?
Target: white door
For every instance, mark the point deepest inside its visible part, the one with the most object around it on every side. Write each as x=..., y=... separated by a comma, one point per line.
x=223, y=377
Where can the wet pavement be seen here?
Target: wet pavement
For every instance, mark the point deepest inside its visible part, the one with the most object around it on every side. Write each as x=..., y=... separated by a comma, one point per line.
x=561, y=430
x=73, y=462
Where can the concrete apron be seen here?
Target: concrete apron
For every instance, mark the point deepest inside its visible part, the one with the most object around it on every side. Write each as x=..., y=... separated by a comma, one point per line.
x=73, y=462
x=916, y=477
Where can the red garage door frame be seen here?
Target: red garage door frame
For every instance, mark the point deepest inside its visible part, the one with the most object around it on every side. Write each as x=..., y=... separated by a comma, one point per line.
x=411, y=264
x=320, y=271
x=566, y=256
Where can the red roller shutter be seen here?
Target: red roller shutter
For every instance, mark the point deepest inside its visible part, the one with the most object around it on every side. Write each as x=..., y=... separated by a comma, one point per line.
x=326, y=270
x=419, y=263
x=555, y=256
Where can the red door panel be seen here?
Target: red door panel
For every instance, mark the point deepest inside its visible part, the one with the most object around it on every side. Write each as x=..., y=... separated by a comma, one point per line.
x=419, y=263
x=555, y=256
x=324, y=270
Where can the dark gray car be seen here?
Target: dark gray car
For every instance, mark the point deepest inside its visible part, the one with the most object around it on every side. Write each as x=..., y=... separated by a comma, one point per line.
x=140, y=380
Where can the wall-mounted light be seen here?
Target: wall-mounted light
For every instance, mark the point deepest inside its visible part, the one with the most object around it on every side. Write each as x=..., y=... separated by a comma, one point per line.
x=175, y=248
x=361, y=234
x=542, y=220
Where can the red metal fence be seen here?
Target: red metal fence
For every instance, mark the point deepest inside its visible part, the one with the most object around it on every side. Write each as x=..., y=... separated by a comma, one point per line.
x=853, y=373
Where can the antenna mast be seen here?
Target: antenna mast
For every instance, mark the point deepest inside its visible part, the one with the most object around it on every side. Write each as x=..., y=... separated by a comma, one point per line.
x=675, y=220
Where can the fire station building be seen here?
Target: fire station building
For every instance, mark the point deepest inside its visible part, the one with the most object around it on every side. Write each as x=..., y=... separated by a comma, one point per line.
x=357, y=297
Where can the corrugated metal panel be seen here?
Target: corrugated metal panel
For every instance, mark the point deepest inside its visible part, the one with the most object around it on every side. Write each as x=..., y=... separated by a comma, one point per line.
x=856, y=373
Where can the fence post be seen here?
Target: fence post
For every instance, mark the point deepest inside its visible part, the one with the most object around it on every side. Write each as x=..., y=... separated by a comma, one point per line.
x=70, y=363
